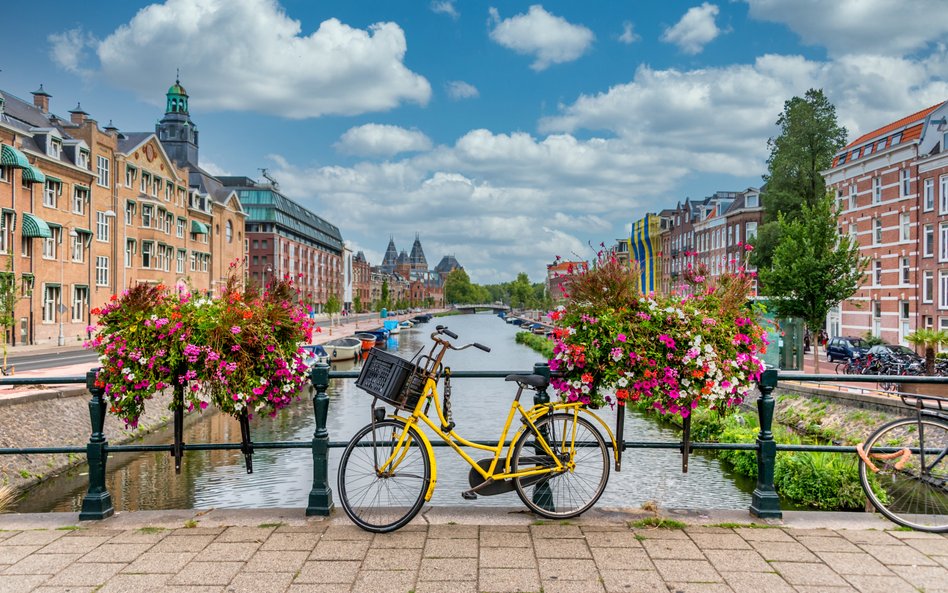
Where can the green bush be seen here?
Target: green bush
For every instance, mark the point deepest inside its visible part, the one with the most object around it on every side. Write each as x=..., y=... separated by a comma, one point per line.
x=827, y=481
x=539, y=343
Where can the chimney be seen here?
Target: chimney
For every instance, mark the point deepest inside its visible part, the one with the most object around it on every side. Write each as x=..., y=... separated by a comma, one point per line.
x=77, y=115
x=41, y=99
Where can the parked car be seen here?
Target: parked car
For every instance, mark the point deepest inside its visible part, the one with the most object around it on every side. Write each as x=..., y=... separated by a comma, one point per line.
x=846, y=348
x=894, y=350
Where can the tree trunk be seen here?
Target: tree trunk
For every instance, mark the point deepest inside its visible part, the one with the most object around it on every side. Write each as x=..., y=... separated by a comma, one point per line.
x=929, y=360
x=816, y=356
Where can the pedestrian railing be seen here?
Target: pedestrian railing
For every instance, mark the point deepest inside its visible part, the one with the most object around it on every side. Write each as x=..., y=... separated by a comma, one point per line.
x=97, y=503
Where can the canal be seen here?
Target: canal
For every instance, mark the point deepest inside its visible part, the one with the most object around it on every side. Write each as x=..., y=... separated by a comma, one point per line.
x=283, y=478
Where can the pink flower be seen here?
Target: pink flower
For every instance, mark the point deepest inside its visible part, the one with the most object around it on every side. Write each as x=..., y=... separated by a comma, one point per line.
x=235, y=329
x=621, y=337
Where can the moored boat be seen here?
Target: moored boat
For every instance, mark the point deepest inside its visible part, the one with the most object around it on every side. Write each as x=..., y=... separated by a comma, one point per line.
x=368, y=340
x=343, y=348
x=406, y=324
x=380, y=334
x=392, y=326
x=315, y=354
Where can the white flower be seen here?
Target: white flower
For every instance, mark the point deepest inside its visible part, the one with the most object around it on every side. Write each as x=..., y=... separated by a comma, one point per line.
x=697, y=340
x=131, y=376
x=585, y=389
x=686, y=382
x=263, y=381
x=623, y=381
x=288, y=387
x=154, y=318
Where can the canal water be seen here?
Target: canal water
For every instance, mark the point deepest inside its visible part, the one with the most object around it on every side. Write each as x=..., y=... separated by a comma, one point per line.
x=283, y=478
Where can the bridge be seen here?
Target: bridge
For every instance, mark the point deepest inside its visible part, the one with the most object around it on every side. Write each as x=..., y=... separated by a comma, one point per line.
x=484, y=307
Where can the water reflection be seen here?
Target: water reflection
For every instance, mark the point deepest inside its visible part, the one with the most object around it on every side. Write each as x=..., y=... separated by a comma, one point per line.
x=283, y=478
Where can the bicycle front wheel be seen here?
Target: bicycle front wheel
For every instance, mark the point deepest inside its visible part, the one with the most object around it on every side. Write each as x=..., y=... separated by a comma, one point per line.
x=382, y=499
x=579, y=446
x=911, y=484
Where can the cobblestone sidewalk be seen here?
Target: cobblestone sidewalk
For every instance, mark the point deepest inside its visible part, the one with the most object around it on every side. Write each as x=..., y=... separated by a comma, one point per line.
x=333, y=556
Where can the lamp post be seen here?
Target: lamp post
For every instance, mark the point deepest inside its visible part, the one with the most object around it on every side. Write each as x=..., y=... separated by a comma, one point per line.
x=62, y=281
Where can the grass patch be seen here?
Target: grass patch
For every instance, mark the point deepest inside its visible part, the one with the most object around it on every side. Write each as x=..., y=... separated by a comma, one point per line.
x=657, y=523
x=538, y=343
x=190, y=524
x=152, y=529
x=902, y=527
x=727, y=525
x=68, y=528
x=548, y=522
x=270, y=525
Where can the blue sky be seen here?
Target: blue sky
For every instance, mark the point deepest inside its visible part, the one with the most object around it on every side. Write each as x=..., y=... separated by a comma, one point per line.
x=504, y=133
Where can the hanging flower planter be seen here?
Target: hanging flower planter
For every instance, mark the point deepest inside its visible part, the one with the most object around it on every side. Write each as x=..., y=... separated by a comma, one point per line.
x=240, y=352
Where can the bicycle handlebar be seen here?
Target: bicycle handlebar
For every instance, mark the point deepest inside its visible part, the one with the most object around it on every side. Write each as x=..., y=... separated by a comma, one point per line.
x=444, y=330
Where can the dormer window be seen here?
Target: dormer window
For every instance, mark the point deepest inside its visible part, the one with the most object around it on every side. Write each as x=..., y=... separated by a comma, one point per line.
x=751, y=201
x=82, y=160
x=55, y=148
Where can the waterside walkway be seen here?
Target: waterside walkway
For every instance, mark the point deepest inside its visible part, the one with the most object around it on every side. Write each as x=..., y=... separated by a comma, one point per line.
x=464, y=550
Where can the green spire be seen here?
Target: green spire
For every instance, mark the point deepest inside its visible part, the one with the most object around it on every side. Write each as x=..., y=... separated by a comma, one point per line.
x=177, y=98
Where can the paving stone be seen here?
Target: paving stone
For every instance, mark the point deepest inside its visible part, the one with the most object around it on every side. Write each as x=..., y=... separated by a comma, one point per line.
x=328, y=571
x=905, y=535
x=384, y=581
x=508, y=580
x=567, y=570
x=346, y=532
x=876, y=538
x=319, y=588
x=757, y=582
x=929, y=547
x=438, y=587
x=159, y=562
x=505, y=528
x=18, y=583
x=808, y=589
x=765, y=534
x=692, y=571
x=784, y=551
x=41, y=564
x=271, y=582
x=633, y=581
x=400, y=539
x=7, y=533
x=594, y=528
x=392, y=559
x=565, y=548
x=141, y=536
x=451, y=548
x=85, y=574
x=719, y=541
x=116, y=553
x=494, y=539
x=244, y=534
x=622, y=558
x=74, y=545
x=507, y=558
x=898, y=555
x=282, y=561
x=452, y=532
x=879, y=584
x=612, y=539
x=708, y=529
x=555, y=531
x=573, y=587
x=676, y=549
x=861, y=563
x=737, y=561
x=11, y=554
x=65, y=589
x=314, y=525
x=656, y=533
x=182, y=543
x=206, y=573
x=214, y=531
x=808, y=573
x=926, y=578
x=827, y=544
x=339, y=550
x=448, y=569
x=798, y=533
x=194, y=589
x=135, y=583
x=39, y=537
x=291, y=542
x=943, y=560
x=235, y=551
x=699, y=588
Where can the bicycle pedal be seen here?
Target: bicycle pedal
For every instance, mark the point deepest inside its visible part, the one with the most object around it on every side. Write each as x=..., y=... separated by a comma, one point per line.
x=468, y=495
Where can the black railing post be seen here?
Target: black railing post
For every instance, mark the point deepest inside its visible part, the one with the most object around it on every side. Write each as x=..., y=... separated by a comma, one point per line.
x=542, y=495
x=320, y=497
x=765, y=502
x=97, y=504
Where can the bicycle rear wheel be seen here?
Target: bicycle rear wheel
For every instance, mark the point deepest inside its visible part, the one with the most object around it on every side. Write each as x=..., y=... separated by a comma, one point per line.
x=573, y=491
x=383, y=501
x=911, y=488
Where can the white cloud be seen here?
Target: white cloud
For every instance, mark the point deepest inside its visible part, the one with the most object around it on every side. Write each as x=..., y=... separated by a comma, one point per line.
x=887, y=27
x=695, y=29
x=381, y=140
x=458, y=89
x=214, y=169
x=249, y=55
x=445, y=7
x=550, y=39
x=68, y=49
x=628, y=35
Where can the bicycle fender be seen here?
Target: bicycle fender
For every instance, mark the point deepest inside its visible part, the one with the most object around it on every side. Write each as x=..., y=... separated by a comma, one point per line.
x=431, y=455
x=602, y=423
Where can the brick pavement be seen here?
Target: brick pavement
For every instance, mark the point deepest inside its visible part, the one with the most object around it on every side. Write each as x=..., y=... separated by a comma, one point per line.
x=271, y=553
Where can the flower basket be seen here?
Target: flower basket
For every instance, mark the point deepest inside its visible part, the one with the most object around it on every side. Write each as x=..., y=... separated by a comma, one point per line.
x=240, y=352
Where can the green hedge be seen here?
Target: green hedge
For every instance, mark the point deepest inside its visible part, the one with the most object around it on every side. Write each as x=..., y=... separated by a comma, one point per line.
x=539, y=343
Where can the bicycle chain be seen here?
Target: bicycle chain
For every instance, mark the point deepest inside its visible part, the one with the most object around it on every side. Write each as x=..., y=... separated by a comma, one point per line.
x=448, y=415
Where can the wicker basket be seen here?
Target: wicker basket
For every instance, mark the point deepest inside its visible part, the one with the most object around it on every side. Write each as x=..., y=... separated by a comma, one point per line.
x=391, y=379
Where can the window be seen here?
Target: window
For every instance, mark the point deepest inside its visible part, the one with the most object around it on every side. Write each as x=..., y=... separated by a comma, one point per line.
x=905, y=182
x=877, y=231
x=129, y=213
x=103, y=171
x=880, y=145
x=928, y=286
x=51, y=244
x=877, y=272
x=79, y=248
x=751, y=201
x=51, y=299
x=943, y=289
x=146, y=215
x=129, y=176
x=896, y=138
x=82, y=161
x=51, y=192
x=80, y=301
x=876, y=190
x=877, y=309
x=147, y=247
x=179, y=230
x=193, y=261
x=842, y=159
x=904, y=271
x=943, y=241
x=4, y=176
x=6, y=231
x=750, y=231
x=179, y=264
x=169, y=189
x=26, y=247
x=928, y=242
x=229, y=232
x=169, y=223
x=129, y=252
x=943, y=194
x=852, y=197
x=146, y=181
x=55, y=148
x=103, y=227
x=929, y=193
x=26, y=286
x=852, y=233
x=80, y=195
x=155, y=186
x=905, y=226
x=867, y=150
x=101, y=270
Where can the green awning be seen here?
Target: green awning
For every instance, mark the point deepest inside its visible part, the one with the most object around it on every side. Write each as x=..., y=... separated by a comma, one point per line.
x=35, y=227
x=11, y=157
x=83, y=231
x=80, y=186
x=31, y=173
x=51, y=178
x=199, y=228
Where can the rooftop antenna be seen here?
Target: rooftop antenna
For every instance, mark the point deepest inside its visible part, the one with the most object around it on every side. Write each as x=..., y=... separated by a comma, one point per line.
x=266, y=175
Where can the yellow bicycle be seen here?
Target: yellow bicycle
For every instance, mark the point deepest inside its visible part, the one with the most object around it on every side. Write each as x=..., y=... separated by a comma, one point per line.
x=558, y=461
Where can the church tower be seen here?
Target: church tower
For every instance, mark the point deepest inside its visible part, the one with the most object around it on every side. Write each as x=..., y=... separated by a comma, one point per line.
x=176, y=131
x=417, y=257
x=390, y=258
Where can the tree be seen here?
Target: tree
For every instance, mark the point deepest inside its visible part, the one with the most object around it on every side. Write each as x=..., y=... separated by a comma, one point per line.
x=809, y=137
x=814, y=267
x=9, y=294
x=521, y=293
x=356, y=304
x=928, y=339
x=332, y=307
x=383, y=301
x=458, y=288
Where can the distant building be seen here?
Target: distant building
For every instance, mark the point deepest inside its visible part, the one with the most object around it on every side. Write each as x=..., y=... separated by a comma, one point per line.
x=409, y=277
x=646, y=252
x=558, y=276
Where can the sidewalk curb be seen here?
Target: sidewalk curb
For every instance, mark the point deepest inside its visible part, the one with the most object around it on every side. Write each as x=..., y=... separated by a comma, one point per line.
x=44, y=394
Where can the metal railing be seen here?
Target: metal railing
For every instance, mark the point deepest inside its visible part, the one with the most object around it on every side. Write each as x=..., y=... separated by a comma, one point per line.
x=97, y=503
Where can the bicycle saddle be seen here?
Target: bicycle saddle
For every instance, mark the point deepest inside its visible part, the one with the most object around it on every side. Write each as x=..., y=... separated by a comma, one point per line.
x=538, y=381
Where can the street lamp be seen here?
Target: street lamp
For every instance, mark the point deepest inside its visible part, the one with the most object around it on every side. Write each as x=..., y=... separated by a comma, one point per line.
x=62, y=281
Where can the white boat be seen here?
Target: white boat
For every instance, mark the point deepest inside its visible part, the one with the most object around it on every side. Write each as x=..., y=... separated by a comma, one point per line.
x=343, y=348
x=406, y=324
